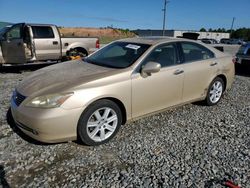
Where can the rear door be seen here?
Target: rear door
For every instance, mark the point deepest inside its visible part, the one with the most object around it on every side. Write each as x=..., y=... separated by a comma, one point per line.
x=13, y=46
x=47, y=42
x=200, y=66
x=161, y=89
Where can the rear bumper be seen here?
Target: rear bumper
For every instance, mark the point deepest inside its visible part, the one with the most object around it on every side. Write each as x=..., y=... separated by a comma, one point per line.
x=47, y=125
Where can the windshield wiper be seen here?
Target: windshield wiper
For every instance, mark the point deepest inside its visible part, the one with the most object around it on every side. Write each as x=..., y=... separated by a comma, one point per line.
x=101, y=64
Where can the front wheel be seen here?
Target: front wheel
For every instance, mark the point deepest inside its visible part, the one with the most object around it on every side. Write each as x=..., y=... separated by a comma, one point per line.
x=99, y=123
x=215, y=91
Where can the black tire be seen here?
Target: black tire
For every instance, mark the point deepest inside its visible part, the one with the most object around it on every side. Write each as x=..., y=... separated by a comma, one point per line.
x=78, y=52
x=208, y=99
x=82, y=52
x=83, y=130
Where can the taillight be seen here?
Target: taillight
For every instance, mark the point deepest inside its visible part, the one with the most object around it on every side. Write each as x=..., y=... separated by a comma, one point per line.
x=234, y=60
x=97, y=44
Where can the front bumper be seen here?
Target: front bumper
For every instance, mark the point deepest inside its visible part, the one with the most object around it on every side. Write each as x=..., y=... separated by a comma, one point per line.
x=47, y=125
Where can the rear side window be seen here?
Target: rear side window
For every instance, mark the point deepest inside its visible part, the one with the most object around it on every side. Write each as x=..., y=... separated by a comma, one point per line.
x=42, y=32
x=195, y=52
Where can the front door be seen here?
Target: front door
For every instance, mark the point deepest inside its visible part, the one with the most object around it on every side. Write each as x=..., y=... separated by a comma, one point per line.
x=13, y=46
x=162, y=89
x=47, y=42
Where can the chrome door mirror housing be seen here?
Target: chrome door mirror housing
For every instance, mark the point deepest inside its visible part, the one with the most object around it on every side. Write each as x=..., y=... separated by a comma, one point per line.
x=149, y=68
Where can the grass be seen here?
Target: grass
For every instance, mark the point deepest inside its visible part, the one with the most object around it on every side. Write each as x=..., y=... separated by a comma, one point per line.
x=106, y=35
x=108, y=39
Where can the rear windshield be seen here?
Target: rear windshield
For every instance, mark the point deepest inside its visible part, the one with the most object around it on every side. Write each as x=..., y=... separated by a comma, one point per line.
x=242, y=49
x=118, y=54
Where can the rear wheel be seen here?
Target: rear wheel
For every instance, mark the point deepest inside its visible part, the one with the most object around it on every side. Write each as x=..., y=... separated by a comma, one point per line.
x=75, y=54
x=215, y=91
x=99, y=123
x=80, y=52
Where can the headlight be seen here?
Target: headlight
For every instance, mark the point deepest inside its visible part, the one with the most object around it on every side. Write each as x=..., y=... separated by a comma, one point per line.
x=49, y=101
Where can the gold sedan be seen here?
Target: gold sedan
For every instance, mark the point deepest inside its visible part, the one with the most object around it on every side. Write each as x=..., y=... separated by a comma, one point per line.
x=90, y=99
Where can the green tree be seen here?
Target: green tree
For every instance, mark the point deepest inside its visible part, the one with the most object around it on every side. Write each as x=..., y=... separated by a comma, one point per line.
x=203, y=30
x=241, y=33
x=223, y=30
x=219, y=30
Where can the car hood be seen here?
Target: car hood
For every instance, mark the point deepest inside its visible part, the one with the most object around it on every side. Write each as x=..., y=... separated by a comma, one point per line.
x=61, y=77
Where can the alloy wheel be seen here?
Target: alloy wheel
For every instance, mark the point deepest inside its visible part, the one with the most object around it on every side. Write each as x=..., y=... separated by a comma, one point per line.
x=102, y=124
x=215, y=92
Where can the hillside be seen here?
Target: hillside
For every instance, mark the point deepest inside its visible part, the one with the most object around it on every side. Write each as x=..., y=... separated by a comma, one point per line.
x=105, y=34
x=3, y=24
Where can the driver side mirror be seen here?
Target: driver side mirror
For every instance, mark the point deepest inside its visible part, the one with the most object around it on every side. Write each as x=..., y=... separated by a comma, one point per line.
x=149, y=68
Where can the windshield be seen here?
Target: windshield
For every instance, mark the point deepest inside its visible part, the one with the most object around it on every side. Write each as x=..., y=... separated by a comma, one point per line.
x=118, y=54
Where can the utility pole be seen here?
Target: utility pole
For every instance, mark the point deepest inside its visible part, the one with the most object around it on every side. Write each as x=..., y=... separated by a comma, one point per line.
x=164, y=16
x=231, y=30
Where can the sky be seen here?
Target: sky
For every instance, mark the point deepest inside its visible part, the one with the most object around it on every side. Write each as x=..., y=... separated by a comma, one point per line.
x=131, y=14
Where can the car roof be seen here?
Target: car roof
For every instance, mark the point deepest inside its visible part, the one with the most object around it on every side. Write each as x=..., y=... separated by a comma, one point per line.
x=158, y=40
x=153, y=40
x=33, y=24
x=38, y=24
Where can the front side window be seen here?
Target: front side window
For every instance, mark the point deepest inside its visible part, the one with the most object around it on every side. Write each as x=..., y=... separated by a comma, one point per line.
x=195, y=52
x=165, y=55
x=42, y=32
x=118, y=54
x=14, y=32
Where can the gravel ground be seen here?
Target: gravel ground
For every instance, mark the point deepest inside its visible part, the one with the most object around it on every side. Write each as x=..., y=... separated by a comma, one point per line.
x=190, y=146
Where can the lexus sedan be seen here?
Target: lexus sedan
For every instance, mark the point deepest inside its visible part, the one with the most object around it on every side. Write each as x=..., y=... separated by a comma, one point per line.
x=90, y=99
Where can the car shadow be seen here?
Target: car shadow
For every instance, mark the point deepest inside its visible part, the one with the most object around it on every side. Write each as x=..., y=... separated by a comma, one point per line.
x=3, y=181
x=20, y=68
x=199, y=103
x=18, y=131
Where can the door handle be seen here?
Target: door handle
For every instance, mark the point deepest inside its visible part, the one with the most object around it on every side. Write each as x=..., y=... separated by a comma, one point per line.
x=213, y=64
x=19, y=44
x=178, y=72
x=55, y=43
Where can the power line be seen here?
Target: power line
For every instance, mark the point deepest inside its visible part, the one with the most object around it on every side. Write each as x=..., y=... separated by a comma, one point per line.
x=231, y=30
x=164, y=16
